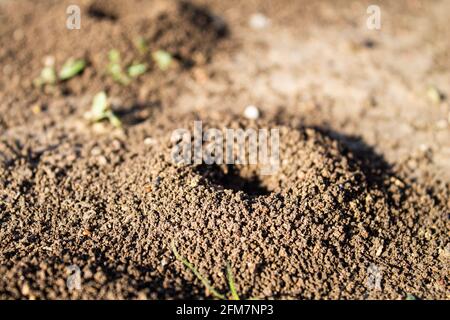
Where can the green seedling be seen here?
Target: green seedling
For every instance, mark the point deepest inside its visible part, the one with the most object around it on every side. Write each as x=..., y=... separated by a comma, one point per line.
x=101, y=110
x=114, y=56
x=137, y=69
x=115, y=68
x=47, y=76
x=231, y=283
x=204, y=281
x=71, y=68
x=163, y=59
x=141, y=45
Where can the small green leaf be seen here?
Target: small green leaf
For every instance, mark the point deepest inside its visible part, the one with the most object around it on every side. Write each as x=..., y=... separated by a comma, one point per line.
x=113, y=119
x=141, y=45
x=117, y=74
x=99, y=106
x=163, y=59
x=71, y=68
x=101, y=110
x=136, y=70
x=114, y=56
x=115, y=69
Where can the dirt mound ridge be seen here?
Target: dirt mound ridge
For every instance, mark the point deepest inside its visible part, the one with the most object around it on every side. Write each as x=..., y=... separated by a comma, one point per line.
x=315, y=229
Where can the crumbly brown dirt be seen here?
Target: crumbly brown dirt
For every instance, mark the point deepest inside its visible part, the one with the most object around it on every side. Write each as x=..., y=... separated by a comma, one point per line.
x=189, y=33
x=111, y=201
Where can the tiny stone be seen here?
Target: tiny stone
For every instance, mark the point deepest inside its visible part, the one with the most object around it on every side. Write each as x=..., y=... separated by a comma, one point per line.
x=36, y=109
x=99, y=128
x=49, y=61
x=149, y=141
x=142, y=295
x=96, y=151
x=195, y=182
x=116, y=144
x=379, y=250
x=424, y=148
x=258, y=21
x=251, y=112
x=102, y=160
x=434, y=95
x=25, y=289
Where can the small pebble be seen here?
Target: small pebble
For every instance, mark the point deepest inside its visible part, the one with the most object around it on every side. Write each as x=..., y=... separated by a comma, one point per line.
x=25, y=289
x=36, y=108
x=102, y=161
x=379, y=250
x=49, y=61
x=99, y=128
x=251, y=112
x=195, y=182
x=423, y=147
x=96, y=151
x=149, y=141
x=259, y=21
x=142, y=295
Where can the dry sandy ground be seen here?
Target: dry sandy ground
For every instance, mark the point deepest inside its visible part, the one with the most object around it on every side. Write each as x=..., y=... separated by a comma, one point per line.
x=316, y=63
x=365, y=178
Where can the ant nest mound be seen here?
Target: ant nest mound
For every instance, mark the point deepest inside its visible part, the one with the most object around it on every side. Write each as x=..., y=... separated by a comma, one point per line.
x=285, y=231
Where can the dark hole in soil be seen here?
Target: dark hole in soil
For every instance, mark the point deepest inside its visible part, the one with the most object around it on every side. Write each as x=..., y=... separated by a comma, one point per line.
x=102, y=11
x=369, y=43
x=232, y=178
x=204, y=19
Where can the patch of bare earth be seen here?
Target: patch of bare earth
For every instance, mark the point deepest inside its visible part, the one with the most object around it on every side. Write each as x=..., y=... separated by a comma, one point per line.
x=363, y=186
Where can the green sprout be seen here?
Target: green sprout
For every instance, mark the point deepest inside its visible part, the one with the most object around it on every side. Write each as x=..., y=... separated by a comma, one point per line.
x=205, y=282
x=115, y=68
x=101, y=110
x=47, y=76
x=71, y=68
x=137, y=69
x=163, y=59
x=114, y=56
x=231, y=283
x=141, y=45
